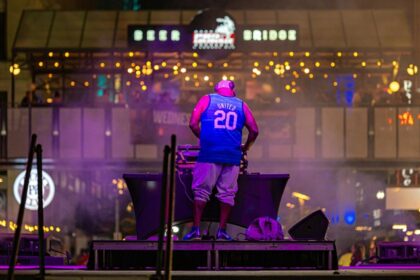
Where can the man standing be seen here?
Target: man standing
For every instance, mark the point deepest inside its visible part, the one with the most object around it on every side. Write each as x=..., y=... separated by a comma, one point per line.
x=222, y=116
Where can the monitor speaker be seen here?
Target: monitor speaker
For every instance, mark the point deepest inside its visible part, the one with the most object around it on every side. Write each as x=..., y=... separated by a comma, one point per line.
x=312, y=227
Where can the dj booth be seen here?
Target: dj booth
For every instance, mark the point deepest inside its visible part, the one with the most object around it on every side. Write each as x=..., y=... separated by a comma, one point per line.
x=258, y=195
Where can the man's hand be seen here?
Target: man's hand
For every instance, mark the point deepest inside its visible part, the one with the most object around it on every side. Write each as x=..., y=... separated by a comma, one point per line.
x=201, y=106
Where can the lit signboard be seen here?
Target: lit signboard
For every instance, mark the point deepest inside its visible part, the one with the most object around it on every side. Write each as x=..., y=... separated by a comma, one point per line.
x=213, y=34
x=48, y=189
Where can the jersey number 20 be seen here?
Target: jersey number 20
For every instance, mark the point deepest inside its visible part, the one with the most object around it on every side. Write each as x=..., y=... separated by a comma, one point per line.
x=225, y=120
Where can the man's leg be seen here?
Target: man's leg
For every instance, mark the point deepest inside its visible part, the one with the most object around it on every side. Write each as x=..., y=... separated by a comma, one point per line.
x=198, y=211
x=227, y=186
x=224, y=214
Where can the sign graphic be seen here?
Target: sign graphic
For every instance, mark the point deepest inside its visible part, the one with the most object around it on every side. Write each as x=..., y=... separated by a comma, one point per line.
x=48, y=189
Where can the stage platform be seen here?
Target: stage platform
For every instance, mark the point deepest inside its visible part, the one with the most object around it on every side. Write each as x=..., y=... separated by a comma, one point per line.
x=216, y=255
x=389, y=273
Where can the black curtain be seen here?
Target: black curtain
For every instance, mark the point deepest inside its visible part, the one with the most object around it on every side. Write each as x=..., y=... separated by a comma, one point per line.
x=3, y=36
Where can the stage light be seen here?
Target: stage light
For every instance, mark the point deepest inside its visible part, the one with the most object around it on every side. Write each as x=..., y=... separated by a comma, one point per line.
x=355, y=54
x=102, y=64
x=117, y=64
x=399, y=227
x=380, y=195
x=195, y=76
x=412, y=69
x=209, y=65
x=271, y=63
x=183, y=70
x=287, y=67
x=175, y=68
x=195, y=54
x=56, y=64
x=232, y=78
x=130, y=70
x=41, y=64
x=317, y=64
x=350, y=217
x=302, y=64
x=187, y=78
x=163, y=64
x=225, y=64
x=311, y=76
x=394, y=63
x=335, y=84
x=66, y=54
x=363, y=63
x=339, y=54
x=72, y=83
x=194, y=64
x=50, y=54
x=332, y=64
x=156, y=67
x=394, y=86
x=130, y=54
x=301, y=196
x=148, y=63
x=379, y=63
x=86, y=83
x=306, y=70
x=307, y=54
x=293, y=90
x=287, y=87
x=224, y=77
x=14, y=69
x=256, y=64
x=143, y=87
x=291, y=54
x=175, y=229
x=275, y=54
x=206, y=78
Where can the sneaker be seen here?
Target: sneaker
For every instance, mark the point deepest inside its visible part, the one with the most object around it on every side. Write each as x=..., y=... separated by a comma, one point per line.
x=194, y=234
x=223, y=235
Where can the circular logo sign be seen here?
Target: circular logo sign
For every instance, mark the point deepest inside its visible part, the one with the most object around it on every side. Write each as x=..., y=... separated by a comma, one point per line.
x=213, y=34
x=48, y=189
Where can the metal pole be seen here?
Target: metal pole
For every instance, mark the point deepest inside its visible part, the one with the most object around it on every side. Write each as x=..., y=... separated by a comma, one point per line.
x=16, y=237
x=40, y=213
x=171, y=206
x=163, y=213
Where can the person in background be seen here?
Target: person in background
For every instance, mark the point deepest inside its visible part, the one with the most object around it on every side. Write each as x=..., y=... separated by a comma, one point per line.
x=222, y=117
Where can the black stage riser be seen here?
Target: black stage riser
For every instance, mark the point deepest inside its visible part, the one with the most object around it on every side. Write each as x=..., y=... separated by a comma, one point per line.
x=208, y=255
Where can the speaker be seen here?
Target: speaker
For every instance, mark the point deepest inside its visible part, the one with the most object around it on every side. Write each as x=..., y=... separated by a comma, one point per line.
x=312, y=227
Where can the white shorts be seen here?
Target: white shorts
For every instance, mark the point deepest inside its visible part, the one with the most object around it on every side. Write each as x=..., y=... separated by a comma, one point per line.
x=223, y=176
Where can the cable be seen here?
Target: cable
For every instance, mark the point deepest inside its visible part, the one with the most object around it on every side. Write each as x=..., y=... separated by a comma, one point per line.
x=185, y=187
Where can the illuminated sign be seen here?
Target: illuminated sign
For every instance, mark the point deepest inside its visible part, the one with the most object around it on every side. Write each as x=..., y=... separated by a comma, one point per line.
x=222, y=37
x=269, y=34
x=48, y=189
x=213, y=34
x=158, y=37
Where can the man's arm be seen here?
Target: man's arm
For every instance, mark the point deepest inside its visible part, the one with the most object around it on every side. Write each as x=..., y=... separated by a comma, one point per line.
x=252, y=127
x=201, y=106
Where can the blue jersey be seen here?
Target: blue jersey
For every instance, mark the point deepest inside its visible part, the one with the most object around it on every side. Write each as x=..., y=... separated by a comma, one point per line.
x=221, y=130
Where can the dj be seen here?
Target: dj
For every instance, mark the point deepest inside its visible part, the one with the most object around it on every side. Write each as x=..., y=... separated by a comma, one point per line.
x=222, y=116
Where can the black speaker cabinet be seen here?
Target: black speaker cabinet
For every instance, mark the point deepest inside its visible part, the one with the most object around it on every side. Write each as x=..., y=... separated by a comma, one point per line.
x=312, y=227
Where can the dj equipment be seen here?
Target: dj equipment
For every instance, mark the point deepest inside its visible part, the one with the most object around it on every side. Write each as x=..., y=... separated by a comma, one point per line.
x=264, y=228
x=398, y=252
x=312, y=227
x=186, y=157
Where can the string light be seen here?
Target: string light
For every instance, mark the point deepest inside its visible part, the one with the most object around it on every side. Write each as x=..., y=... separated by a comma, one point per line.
x=41, y=64
x=209, y=65
x=130, y=54
x=206, y=78
x=332, y=64
x=355, y=54
x=307, y=54
x=56, y=64
x=291, y=54
x=317, y=64
x=363, y=63
x=117, y=64
x=225, y=64
x=183, y=70
x=66, y=54
x=50, y=54
x=194, y=64
x=339, y=54
x=102, y=64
